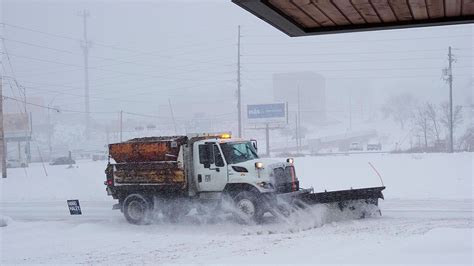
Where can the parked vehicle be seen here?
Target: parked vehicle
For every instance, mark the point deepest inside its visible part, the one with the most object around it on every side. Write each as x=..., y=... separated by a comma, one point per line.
x=356, y=146
x=374, y=146
x=17, y=163
x=63, y=161
x=173, y=174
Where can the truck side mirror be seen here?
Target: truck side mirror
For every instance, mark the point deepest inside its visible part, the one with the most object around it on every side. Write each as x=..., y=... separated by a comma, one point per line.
x=254, y=144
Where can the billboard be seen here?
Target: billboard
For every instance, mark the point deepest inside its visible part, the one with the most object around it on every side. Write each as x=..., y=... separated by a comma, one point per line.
x=265, y=113
x=16, y=127
x=13, y=123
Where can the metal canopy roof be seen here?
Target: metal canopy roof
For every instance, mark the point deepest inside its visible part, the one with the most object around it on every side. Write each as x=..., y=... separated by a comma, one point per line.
x=312, y=17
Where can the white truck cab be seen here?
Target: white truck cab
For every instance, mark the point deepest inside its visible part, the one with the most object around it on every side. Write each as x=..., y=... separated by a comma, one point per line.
x=221, y=162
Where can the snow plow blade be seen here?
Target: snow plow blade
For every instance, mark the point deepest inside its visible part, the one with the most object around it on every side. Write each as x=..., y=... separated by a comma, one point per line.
x=371, y=195
x=351, y=203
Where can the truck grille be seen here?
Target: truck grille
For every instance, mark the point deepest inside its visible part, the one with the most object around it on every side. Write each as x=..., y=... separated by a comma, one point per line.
x=284, y=179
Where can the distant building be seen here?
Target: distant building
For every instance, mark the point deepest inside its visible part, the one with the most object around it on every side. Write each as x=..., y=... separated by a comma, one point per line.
x=312, y=95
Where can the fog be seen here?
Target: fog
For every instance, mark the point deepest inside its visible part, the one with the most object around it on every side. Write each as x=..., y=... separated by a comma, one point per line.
x=116, y=120
x=165, y=59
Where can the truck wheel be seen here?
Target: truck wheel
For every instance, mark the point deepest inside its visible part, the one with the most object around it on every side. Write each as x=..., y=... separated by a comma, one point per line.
x=248, y=209
x=136, y=209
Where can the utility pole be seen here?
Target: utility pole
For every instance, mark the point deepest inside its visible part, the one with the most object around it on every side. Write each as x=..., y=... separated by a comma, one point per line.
x=350, y=109
x=299, y=120
x=267, y=139
x=3, y=151
x=121, y=125
x=451, y=127
x=172, y=117
x=28, y=119
x=85, y=48
x=449, y=73
x=297, y=133
x=239, y=96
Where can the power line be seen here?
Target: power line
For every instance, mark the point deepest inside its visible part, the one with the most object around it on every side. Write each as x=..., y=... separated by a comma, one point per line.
x=357, y=69
x=286, y=62
x=256, y=55
x=178, y=118
x=363, y=77
x=135, y=88
x=11, y=88
x=42, y=32
x=115, y=47
x=151, y=86
x=100, y=69
x=14, y=75
x=82, y=96
x=59, y=110
x=28, y=103
x=98, y=57
x=346, y=53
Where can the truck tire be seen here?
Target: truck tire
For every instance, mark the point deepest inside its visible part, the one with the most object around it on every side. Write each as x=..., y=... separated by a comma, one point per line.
x=247, y=208
x=136, y=209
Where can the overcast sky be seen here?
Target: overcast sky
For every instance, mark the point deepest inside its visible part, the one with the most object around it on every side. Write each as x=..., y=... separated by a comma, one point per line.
x=145, y=53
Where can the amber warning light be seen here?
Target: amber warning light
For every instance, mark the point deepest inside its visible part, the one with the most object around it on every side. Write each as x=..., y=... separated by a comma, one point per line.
x=226, y=136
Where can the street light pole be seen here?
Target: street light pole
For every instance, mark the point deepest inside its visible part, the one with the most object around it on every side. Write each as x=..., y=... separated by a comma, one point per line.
x=3, y=151
x=50, y=128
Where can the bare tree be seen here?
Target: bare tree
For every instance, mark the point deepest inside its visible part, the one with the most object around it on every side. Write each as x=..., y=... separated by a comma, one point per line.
x=466, y=143
x=446, y=118
x=400, y=108
x=433, y=116
x=422, y=122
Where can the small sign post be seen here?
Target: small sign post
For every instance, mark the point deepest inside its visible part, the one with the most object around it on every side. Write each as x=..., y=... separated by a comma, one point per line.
x=74, y=207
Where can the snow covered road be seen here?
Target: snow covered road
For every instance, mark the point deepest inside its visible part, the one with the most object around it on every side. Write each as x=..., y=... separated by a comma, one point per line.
x=409, y=232
x=434, y=226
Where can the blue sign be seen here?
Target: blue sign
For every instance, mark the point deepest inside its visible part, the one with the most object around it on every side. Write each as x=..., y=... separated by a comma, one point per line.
x=74, y=207
x=274, y=110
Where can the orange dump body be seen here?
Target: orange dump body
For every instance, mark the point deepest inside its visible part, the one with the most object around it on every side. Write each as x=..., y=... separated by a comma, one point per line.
x=152, y=160
x=152, y=149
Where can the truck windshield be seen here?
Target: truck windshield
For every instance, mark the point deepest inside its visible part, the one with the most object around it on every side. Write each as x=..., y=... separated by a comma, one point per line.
x=237, y=152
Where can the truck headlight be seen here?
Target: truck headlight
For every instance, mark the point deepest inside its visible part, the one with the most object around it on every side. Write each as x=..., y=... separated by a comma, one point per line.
x=259, y=165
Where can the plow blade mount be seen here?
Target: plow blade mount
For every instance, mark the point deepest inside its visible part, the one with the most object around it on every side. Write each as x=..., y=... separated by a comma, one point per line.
x=370, y=195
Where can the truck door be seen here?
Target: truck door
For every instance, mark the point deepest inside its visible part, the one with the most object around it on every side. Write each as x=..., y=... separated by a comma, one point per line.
x=210, y=168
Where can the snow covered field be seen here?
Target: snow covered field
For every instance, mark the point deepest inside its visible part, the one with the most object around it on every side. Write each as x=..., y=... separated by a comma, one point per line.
x=427, y=218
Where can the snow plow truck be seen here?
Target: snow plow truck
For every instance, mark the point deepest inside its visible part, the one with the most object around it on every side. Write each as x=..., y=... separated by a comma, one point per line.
x=171, y=175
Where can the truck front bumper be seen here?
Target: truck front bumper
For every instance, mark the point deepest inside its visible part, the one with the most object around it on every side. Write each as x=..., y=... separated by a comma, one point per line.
x=291, y=195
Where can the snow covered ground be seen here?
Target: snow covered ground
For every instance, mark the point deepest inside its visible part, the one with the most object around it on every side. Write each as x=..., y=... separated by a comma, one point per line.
x=427, y=219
